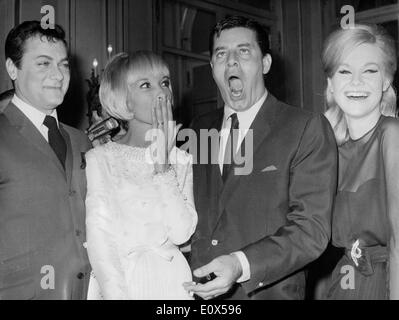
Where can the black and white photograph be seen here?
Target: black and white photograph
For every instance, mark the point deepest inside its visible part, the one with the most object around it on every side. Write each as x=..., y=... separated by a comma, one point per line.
x=199, y=153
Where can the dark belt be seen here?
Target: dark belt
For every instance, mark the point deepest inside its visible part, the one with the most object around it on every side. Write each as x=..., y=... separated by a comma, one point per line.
x=364, y=258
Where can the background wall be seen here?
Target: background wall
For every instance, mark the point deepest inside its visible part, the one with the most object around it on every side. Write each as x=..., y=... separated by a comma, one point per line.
x=297, y=30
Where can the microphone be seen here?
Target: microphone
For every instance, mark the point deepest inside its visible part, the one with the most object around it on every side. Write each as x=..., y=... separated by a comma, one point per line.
x=103, y=128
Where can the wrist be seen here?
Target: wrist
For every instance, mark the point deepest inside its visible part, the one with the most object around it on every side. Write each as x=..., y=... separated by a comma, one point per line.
x=245, y=272
x=237, y=266
x=162, y=168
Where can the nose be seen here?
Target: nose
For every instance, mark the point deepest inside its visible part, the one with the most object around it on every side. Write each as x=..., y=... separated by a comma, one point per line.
x=163, y=93
x=232, y=59
x=56, y=73
x=357, y=79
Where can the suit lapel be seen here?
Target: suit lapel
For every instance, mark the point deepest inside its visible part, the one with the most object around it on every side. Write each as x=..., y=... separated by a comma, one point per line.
x=260, y=127
x=31, y=134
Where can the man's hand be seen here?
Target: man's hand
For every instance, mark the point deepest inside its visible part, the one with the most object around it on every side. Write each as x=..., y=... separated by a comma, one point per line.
x=227, y=270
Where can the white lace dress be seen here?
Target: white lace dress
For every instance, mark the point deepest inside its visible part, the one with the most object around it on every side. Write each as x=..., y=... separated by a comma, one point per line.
x=135, y=221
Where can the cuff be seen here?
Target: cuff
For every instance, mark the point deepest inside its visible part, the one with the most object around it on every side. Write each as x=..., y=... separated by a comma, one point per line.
x=246, y=272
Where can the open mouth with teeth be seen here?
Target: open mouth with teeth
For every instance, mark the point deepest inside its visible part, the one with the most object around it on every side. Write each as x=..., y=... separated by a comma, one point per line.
x=357, y=95
x=236, y=86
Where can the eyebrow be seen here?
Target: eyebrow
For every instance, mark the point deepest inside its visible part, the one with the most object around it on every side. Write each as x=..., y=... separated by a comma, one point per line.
x=51, y=58
x=247, y=44
x=366, y=64
x=148, y=79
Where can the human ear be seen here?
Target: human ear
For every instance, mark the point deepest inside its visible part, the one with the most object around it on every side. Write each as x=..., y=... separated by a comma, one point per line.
x=329, y=86
x=266, y=63
x=11, y=69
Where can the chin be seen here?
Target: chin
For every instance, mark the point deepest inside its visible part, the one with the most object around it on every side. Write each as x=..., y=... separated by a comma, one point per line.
x=239, y=106
x=54, y=103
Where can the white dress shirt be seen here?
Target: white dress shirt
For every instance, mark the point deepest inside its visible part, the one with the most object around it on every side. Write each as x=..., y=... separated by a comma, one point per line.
x=34, y=115
x=245, y=119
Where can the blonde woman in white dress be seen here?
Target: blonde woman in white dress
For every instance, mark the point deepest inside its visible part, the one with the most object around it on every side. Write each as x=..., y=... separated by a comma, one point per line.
x=140, y=205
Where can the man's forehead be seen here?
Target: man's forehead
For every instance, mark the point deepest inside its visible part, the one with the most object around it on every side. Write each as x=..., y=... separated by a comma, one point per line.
x=40, y=44
x=235, y=35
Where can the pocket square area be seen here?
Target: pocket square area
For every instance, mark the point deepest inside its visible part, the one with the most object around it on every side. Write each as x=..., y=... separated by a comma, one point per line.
x=269, y=168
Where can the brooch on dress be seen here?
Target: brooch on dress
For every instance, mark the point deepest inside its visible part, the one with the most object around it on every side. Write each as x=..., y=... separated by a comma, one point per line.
x=356, y=252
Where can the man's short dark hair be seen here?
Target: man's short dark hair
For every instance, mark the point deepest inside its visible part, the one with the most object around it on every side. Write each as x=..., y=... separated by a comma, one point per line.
x=15, y=42
x=239, y=21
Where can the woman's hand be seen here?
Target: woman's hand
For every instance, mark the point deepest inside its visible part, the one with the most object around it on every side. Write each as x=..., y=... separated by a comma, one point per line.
x=164, y=134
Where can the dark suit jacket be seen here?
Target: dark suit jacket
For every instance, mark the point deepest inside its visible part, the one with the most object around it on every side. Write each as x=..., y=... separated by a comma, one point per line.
x=42, y=213
x=280, y=214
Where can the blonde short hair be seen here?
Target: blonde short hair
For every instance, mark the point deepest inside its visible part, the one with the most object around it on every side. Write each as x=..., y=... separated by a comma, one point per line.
x=114, y=87
x=338, y=46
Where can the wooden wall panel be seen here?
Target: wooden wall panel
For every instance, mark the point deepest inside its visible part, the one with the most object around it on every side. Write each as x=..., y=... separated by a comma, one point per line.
x=87, y=41
x=292, y=52
x=139, y=26
x=7, y=21
x=90, y=26
x=302, y=38
x=312, y=42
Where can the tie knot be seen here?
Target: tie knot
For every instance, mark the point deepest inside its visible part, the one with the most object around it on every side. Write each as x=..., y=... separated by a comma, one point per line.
x=50, y=123
x=234, y=121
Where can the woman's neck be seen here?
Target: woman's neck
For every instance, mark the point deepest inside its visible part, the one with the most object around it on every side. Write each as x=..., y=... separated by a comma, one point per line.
x=358, y=127
x=135, y=135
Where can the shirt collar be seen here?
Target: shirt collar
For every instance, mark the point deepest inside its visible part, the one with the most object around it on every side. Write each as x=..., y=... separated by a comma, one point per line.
x=245, y=118
x=34, y=115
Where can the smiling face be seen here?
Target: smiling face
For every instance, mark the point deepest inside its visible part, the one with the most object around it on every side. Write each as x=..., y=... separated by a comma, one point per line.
x=145, y=87
x=358, y=84
x=43, y=78
x=238, y=67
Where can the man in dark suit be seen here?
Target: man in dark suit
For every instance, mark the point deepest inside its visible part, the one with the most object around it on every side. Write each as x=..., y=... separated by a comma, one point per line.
x=42, y=177
x=257, y=231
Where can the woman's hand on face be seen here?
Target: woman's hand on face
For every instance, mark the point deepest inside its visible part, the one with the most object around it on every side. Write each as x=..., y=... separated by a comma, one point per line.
x=164, y=134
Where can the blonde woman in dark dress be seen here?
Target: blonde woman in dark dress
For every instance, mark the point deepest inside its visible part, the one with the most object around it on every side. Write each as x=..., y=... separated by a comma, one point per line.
x=360, y=64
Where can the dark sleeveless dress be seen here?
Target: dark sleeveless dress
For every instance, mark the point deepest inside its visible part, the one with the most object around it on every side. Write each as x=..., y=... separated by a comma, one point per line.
x=361, y=214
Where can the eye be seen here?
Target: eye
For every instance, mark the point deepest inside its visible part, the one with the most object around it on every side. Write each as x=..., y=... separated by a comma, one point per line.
x=244, y=51
x=344, y=71
x=220, y=54
x=65, y=65
x=371, y=71
x=166, y=83
x=145, y=85
x=44, y=63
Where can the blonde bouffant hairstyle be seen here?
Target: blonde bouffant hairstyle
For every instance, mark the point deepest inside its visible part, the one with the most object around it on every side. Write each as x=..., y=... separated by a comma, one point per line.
x=339, y=45
x=114, y=87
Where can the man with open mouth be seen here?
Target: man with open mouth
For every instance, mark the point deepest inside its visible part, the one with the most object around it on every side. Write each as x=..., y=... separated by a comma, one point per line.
x=257, y=231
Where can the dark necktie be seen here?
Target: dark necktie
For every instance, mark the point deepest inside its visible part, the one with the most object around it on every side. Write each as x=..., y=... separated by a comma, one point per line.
x=55, y=139
x=231, y=146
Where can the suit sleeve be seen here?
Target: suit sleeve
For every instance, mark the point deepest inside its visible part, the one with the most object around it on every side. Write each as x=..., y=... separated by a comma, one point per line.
x=390, y=150
x=101, y=228
x=312, y=187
